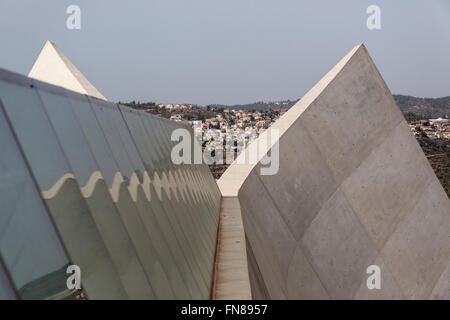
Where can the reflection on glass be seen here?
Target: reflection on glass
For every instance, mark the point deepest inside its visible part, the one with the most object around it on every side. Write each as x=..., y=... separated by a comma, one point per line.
x=140, y=137
x=70, y=135
x=98, y=199
x=23, y=108
x=107, y=117
x=6, y=290
x=29, y=246
x=123, y=149
x=132, y=234
x=96, y=138
x=60, y=191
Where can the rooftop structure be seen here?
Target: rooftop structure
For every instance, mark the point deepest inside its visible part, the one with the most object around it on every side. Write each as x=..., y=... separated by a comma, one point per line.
x=91, y=183
x=353, y=190
x=54, y=67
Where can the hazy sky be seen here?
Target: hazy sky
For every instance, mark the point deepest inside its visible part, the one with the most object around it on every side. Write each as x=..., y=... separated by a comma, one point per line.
x=234, y=51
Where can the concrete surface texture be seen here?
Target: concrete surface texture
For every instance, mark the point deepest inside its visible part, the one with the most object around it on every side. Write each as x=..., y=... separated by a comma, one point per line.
x=231, y=279
x=353, y=189
x=54, y=67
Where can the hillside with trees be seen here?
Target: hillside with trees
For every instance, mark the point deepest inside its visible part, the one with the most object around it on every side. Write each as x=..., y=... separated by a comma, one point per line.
x=425, y=107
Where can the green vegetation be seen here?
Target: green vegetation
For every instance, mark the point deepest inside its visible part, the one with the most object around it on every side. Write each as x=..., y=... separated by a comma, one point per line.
x=411, y=116
x=425, y=107
x=438, y=154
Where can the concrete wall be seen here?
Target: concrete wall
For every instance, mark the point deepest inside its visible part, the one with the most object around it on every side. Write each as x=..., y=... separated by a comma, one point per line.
x=52, y=66
x=353, y=189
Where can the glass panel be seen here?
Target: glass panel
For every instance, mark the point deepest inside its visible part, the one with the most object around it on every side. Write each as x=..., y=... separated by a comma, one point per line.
x=70, y=136
x=95, y=137
x=166, y=211
x=92, y=164
x=105, y=213
x=106, y=116
x=164, y=236
x=60, y=191
x=142, y=141
x=131, y=195
x=192, y=224
x=6, y=290
x=29, y=246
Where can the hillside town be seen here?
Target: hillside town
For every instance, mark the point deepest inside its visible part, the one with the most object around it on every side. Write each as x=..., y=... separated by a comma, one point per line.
x=433, y=135
x=226, y=124
x=432, y=128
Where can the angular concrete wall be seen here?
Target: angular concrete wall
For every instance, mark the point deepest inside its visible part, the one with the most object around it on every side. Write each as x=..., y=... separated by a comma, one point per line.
x=54, y=67
x=353, y=189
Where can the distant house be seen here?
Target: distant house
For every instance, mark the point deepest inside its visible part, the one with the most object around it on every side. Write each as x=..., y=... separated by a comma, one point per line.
x=176, y=117
x=438, y=120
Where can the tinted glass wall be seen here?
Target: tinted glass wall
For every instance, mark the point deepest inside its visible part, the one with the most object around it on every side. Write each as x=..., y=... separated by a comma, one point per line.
x=91, y=183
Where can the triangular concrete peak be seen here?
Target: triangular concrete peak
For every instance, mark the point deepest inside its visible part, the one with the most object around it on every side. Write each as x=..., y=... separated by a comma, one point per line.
x=54, y=67
x=354, y=191
x=233, y=178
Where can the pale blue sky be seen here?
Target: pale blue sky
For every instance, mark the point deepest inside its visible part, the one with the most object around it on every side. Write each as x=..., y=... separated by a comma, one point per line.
x=234, y=51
